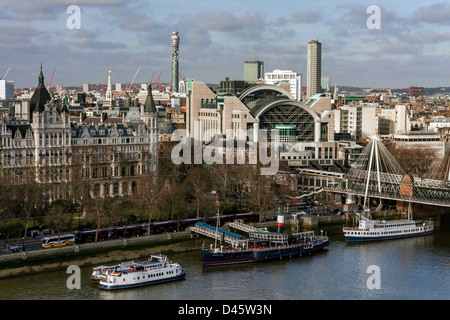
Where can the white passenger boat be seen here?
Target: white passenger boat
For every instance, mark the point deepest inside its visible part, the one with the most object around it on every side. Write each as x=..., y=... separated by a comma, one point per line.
x=369, y=230
x=156, y=270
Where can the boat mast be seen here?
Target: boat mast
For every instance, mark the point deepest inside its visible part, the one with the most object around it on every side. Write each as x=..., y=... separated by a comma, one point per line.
x=217, y=231
x=409, y=209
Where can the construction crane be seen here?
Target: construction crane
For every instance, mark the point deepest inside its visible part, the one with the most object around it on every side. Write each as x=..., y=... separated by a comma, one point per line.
x=181, y=76
x=411, y=90
x=134, y=78
x=130, y=84
x=4, y=77
x=158, y=82
x=49, y=85
x=151, y=80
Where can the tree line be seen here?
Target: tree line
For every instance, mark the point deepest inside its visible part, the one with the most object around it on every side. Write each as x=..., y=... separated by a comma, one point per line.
x=173, y=192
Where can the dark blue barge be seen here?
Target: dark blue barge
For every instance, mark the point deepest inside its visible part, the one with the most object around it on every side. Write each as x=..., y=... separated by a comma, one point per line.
x=265, y=246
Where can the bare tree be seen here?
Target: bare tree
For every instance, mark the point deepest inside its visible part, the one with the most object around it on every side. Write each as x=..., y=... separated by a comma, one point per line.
x=10, y=226
x=30, y=196
x=101, y=211
x=262, y=193
x=222, y=179
x=60, y=216
x=197, y=183
x=148, y=196
x=243, y=177
x=416, y=160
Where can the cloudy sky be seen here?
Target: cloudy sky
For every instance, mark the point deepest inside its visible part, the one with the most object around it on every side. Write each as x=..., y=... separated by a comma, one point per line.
x=412, y=47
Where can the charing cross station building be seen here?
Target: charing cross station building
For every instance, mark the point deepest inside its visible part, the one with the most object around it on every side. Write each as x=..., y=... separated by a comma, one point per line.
x=304, y=130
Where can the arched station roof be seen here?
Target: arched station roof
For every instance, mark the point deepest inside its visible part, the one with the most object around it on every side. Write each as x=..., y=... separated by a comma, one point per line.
x=260, y=108
x=253, y=94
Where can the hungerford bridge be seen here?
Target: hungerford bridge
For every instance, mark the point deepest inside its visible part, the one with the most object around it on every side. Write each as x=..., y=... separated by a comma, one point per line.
x=376, y=174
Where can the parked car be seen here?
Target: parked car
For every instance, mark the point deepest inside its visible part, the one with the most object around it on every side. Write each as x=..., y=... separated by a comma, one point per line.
x=297, y=215
x=16, y=248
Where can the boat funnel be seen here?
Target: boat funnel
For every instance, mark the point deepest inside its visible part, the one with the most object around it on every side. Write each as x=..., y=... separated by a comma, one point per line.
x=280, y=223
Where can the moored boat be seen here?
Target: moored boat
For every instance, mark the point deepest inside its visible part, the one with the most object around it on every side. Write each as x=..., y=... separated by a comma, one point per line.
x=260, y=246
x=156, y=270
x=264, y=247
x=99, y=273
x=370, y=230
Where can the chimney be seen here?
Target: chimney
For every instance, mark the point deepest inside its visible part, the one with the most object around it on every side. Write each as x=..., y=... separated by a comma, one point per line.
x=280, y=223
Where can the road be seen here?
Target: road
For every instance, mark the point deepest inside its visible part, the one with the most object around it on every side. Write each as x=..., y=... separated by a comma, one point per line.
x=30, y=243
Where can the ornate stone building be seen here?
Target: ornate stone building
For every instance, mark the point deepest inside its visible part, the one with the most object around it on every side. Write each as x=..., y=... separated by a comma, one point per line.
x=109, y=154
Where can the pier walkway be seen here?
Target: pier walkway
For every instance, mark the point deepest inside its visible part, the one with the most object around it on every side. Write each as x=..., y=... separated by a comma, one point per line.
x=217, y=233
x=240, y=225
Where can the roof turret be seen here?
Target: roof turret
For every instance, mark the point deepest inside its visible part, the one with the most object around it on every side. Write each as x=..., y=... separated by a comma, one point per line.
x=149, y=105
x=40, y=96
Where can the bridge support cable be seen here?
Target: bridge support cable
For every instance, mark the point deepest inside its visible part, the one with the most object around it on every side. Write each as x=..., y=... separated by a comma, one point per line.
x=441, y=170
x=377, y=173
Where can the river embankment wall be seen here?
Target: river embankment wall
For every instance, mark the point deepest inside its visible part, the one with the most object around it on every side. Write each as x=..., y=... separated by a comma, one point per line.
x=92, y=254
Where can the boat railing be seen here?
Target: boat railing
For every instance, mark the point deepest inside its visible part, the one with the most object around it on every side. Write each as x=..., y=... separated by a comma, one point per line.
x=354, y=229
x=226, y=250
x=280, y=247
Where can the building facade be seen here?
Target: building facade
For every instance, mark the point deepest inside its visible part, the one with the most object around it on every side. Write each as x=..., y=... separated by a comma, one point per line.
x=60, y=151
x=314, y=68
x=253, y=71
x=6, y=89
x=293, y=78
x=325, y=83
x=423, y=139
x=398, y=118
x=303, y=134
x=360, y=121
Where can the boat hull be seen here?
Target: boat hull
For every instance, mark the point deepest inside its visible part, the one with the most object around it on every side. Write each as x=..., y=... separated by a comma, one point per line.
x=385, y=237
x=141, y=284
x=220, y=258
x=236, y=257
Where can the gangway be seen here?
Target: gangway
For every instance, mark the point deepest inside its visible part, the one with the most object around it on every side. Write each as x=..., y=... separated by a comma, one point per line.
x=238, y=224
x=217, y=233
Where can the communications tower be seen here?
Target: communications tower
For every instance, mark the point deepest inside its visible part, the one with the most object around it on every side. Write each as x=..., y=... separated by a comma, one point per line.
x=175, y=49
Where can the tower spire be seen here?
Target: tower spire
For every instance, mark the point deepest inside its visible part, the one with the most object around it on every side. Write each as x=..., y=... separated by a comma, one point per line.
x=41, y=77
x=109, y=95
x=149, y=104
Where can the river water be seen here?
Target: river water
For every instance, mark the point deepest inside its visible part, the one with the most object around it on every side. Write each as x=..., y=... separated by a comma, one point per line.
x=414, y=268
